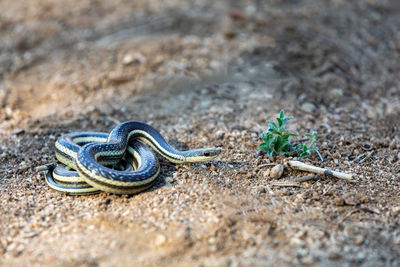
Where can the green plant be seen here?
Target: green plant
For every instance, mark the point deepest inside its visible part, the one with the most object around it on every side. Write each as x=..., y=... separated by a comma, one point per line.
x=277, y=140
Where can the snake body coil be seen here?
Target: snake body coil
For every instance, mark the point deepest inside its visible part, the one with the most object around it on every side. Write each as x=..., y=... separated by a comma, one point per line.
x=103, y=162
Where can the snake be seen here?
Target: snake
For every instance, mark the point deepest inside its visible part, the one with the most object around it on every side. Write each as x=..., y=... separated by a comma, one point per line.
x=121, y=162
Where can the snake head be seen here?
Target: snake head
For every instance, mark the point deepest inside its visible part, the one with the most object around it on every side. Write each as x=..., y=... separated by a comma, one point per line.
x=202, y=154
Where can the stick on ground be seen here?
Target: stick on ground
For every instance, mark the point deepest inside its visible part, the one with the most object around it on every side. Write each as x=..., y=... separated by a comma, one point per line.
x=310, y=168
x=286, y=183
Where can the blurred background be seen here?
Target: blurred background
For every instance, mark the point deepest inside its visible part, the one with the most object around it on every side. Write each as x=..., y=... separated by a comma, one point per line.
x=60, y=57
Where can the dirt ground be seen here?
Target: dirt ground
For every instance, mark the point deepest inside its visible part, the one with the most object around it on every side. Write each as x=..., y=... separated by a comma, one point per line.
x=205, y=73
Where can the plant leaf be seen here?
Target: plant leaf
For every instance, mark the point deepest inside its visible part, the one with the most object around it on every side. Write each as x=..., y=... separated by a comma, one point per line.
x=304, y=155
x=286, y=135
x=286, y=147
x=263, y=146
x=268, y=138
x=279, y=120
x=286, y=119
x=274, y=131
x=272, y=125
x=282, y=114
x=278, y=144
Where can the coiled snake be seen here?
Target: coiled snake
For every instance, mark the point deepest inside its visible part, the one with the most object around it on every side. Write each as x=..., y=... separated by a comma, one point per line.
x=119, y=162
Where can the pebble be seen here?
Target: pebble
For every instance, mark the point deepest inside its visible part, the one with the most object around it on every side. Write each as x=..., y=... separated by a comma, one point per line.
x=137, y=58
x=127, y=59
x=29, y=235
x=338, y=201
x=220, y=134
x=358, y=240
x=212, y=240
x=315, y=196
x=277, y=171
x=261, y=190
x=266, y=173
x=18, y=131
x=350, y=199
x=23, y=166
x=117, y=77
x=334, y=254
x=160, y=240
x=170, y=181
x=308, y=107
x=396, y=210
x=335, y=93
x=308, y=260
x=12, y=246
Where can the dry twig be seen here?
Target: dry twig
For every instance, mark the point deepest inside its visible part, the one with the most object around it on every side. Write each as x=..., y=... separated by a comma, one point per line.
x=310, y=168
x=286, y=183
x=266, y=165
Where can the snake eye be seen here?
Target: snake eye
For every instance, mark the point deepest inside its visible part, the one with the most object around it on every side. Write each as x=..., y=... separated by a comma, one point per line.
x=206, y=154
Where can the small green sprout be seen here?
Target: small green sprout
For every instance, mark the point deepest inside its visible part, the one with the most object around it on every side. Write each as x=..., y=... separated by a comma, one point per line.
x=277, y=140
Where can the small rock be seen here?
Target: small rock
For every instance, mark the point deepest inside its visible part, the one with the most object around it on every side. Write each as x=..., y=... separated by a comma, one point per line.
x=29, y=235
x=350, y=199
x=116, y=77
x=308, y=107
x=358, y=240
x=18, y=131
x=127, y=59
x=261, y=190
x=23, y=166
x=212, y=240
x=160, y=240
x=266, y=173
x=315, y=196
x=338, y=201
x=220, y=134
x=232, y=262
x=277, y=171
x=170, y=180
x=12, y=246
x=396, y=210
x=334, y=254
x=333, y=81
x=229, y=34
x=364, y=199
x=137, y=58
x=335, y=93
x=307, y=260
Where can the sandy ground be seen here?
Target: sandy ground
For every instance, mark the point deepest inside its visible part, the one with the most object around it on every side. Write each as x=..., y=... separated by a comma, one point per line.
x=205, y=73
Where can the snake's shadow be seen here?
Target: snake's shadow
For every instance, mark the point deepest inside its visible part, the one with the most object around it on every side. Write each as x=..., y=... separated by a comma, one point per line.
x=167, y=169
